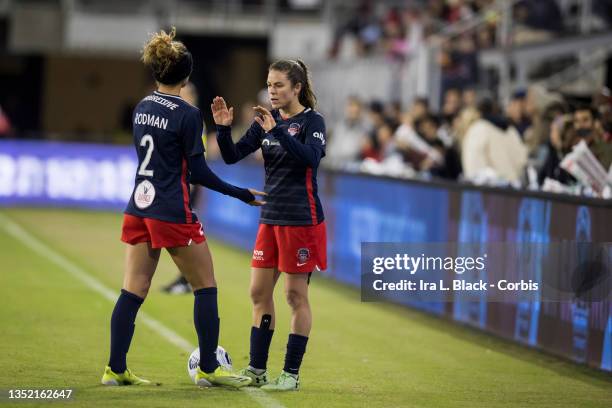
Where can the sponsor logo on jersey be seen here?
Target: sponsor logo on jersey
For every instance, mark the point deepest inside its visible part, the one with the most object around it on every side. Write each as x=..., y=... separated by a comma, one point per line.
x=319, y=135
x=294, y=129
x=269, y=142
x=144, y=194
x=303, y=255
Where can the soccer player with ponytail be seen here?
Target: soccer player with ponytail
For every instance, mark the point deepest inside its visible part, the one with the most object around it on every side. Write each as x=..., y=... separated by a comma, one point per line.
x=291, y=238
x=168, y=139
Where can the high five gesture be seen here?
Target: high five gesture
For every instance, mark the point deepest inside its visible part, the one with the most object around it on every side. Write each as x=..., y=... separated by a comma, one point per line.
x=221, y=114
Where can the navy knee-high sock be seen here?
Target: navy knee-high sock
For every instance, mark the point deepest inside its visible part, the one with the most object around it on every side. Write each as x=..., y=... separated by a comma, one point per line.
x=122, y=329
x=206, y=320
x=261, y=337
x=296, y=347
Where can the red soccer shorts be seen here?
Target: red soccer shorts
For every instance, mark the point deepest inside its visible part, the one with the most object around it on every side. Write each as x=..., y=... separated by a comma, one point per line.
x=291, y=249
x=161, y=234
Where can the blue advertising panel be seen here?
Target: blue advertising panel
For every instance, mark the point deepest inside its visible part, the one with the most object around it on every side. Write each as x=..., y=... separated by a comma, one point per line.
x=368, y=209
x=66, y=174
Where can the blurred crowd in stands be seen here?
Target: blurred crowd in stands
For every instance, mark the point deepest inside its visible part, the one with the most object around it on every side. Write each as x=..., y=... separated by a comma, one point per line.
x=474, y=138
x=374, y=28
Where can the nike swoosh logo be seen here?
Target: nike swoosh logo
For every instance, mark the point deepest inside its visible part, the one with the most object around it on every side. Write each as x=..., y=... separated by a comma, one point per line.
x=302, y=264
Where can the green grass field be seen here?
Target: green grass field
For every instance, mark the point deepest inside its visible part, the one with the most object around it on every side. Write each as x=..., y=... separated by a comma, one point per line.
x=55, y=334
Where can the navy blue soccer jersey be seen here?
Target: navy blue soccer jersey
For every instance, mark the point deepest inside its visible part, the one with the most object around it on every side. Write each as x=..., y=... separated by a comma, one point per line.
x=291, y=152
x=167, y=132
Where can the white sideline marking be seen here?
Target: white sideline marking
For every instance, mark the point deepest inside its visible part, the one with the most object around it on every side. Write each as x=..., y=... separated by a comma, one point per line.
x=170, y=335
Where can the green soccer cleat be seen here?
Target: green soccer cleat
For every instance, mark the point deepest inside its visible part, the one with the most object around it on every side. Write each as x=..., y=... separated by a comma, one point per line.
x=221, y=376
x=284, y=382
x=257, y=380
x=125, y=378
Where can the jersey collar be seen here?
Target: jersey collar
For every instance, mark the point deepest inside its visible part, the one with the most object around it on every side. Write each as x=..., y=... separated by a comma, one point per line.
x=168, y=95
x=306, y=110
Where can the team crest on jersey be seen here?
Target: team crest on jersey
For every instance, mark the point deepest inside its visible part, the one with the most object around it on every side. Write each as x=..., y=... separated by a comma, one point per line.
x=144, y=194
x=303, y=255
x=294, y=129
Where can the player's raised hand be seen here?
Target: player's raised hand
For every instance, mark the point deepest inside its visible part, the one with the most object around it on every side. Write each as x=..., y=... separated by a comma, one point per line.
x=264, y=118
x=257, y=203
x=221, y=114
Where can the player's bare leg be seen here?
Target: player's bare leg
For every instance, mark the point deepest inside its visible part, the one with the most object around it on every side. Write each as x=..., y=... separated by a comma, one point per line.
x=140, y=264
x=263, y=281
x=195, y=263
x=296, y=293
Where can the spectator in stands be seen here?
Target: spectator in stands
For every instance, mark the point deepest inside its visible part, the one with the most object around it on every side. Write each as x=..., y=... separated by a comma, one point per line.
x=395, y=42
x=383, y=144
x=452, y=101
x=347, y=138
x=462, y=122
x=516, y=113
x=603, y=101
x=419, y=108
x=459, y=63
x=393, y=113
x=414, y=148
x=385, y=140
x=468, y=98
x=451, y=104
x=427, y=128
x=414, y=23
x=406, y=136
x=588, y=128
x=552, y=113
x=492, y=151
x=561, y=133
x=431, y=154
x=535, y=137
x=485, y=34
x=376, y=116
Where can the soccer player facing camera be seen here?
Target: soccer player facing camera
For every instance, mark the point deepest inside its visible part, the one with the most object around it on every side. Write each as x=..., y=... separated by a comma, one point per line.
x=291, y=236
x=168, y=140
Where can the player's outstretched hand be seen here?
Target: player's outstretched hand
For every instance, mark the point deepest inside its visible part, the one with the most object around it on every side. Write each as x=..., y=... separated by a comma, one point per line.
x=221, y=114
x=264, y=118
x=257, y=203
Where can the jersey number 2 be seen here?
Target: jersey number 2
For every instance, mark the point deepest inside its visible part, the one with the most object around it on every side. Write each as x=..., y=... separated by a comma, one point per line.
x=142, y=171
